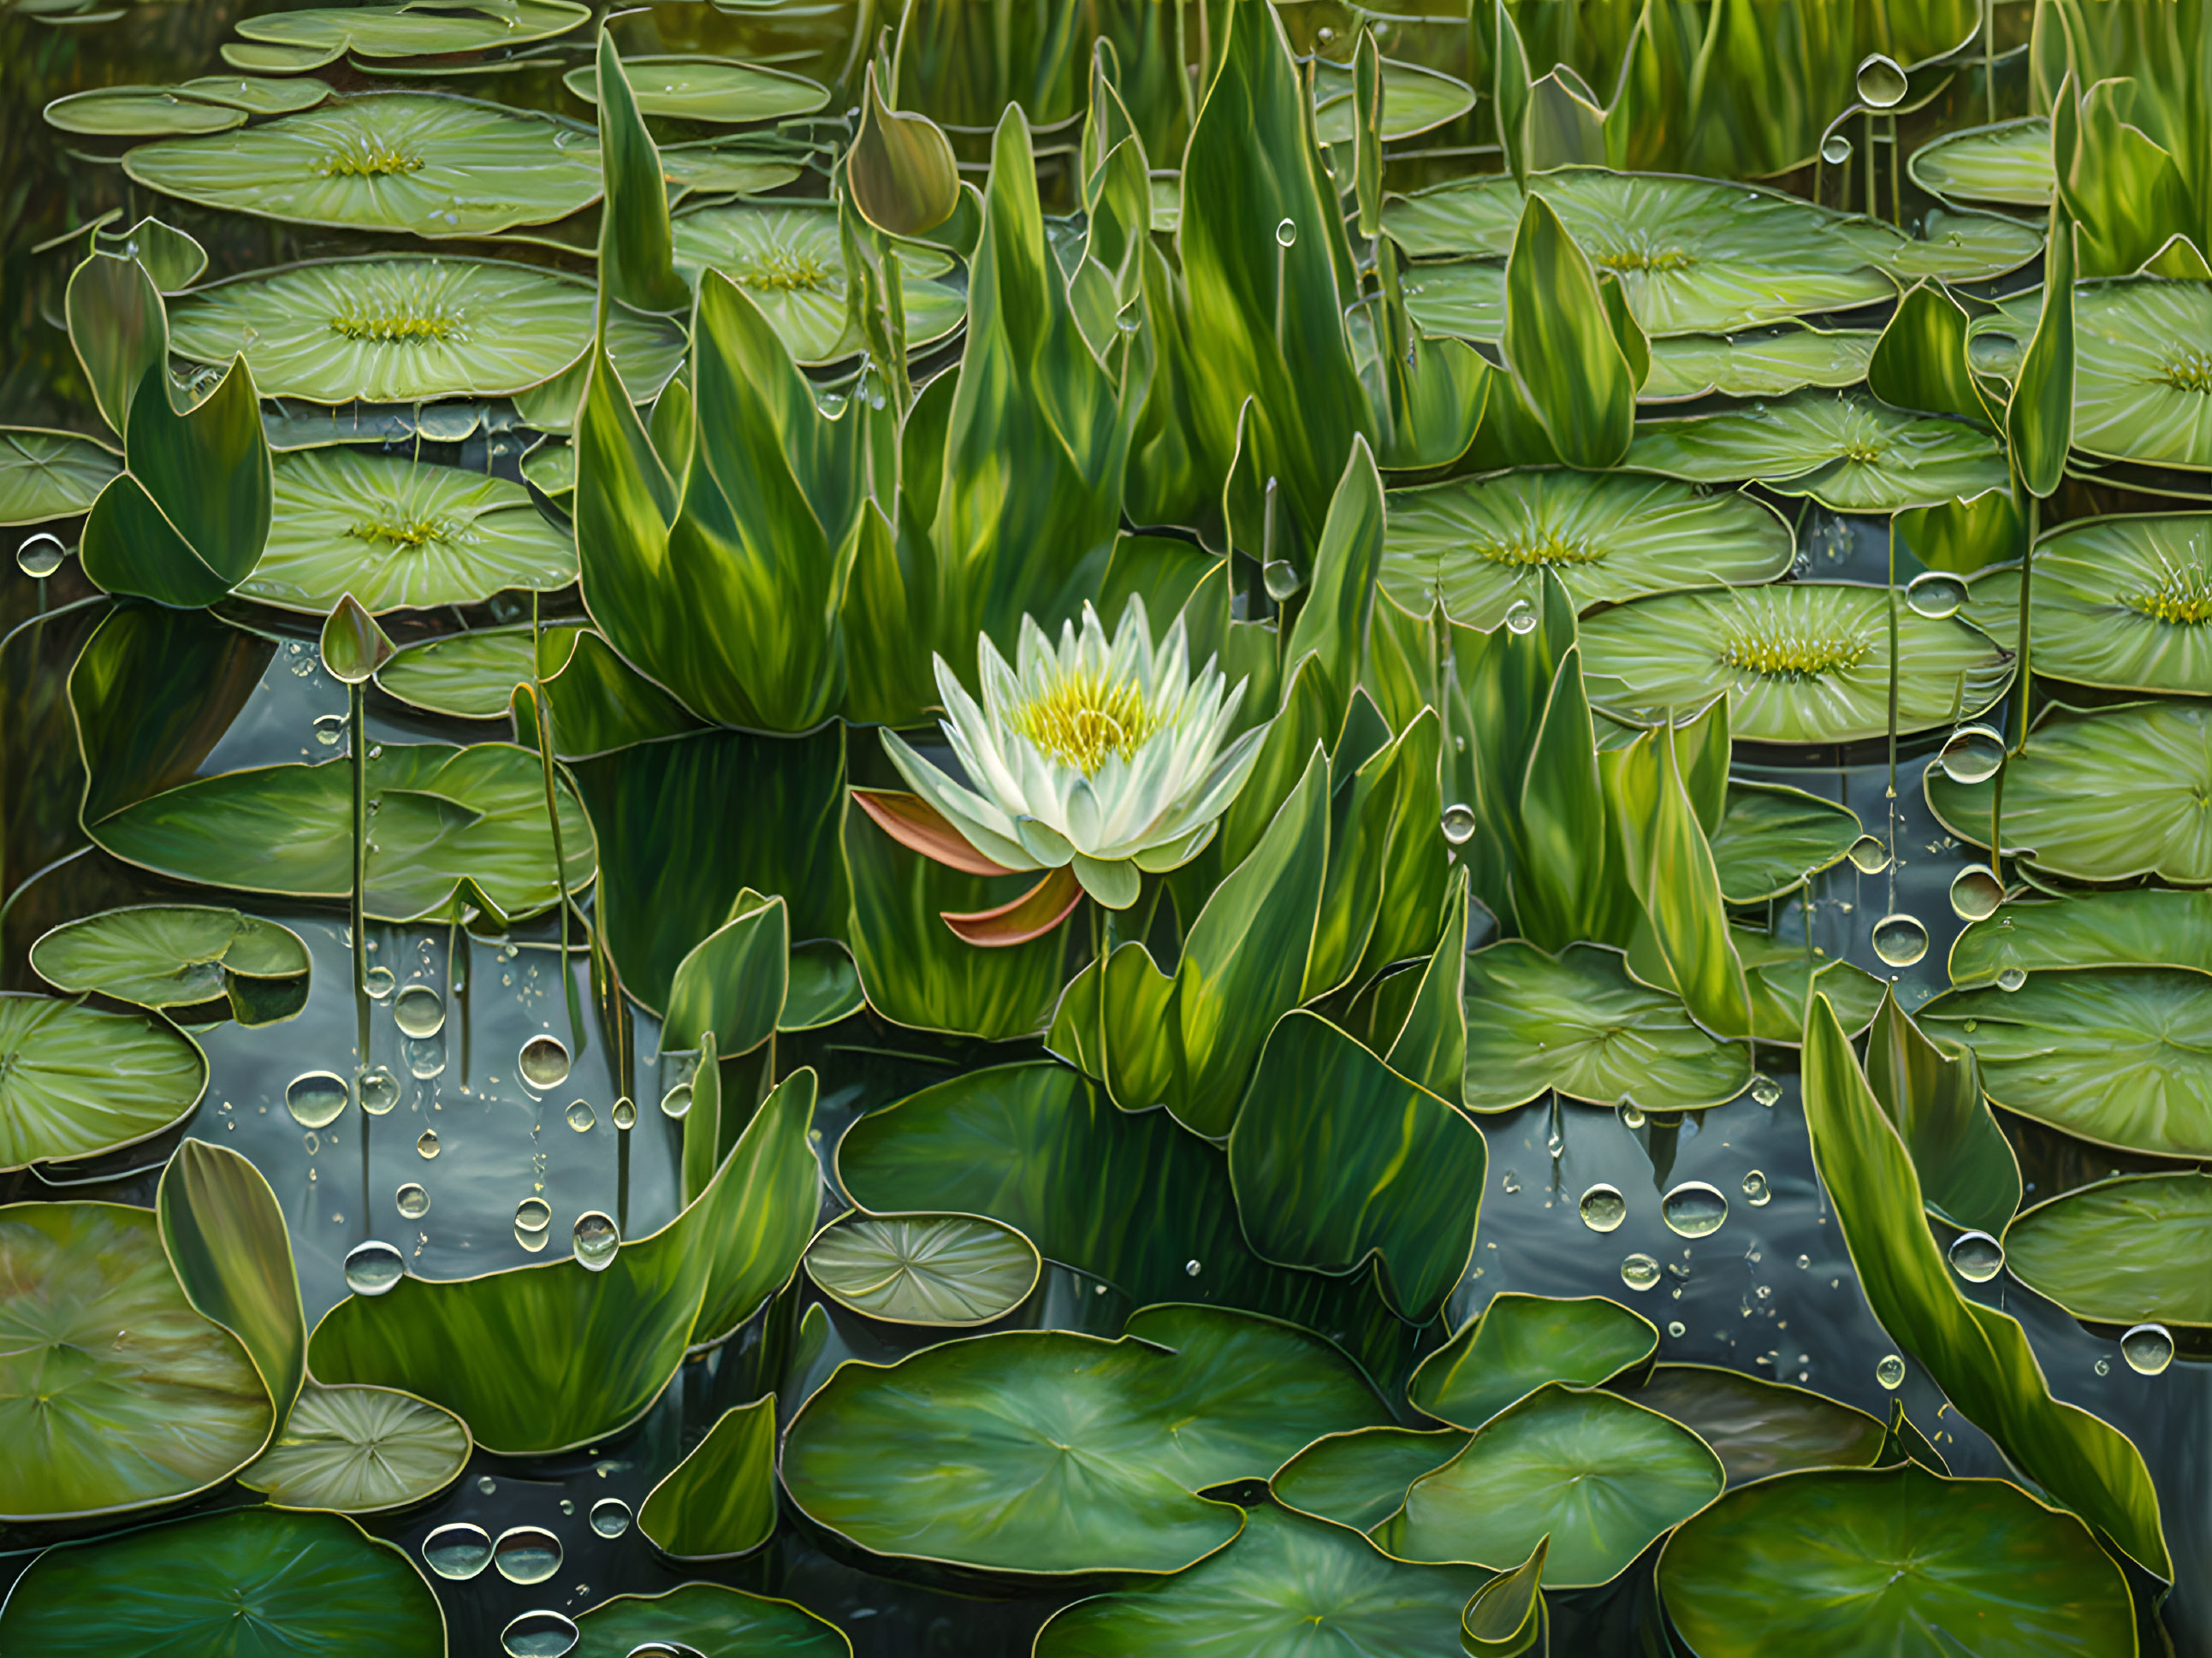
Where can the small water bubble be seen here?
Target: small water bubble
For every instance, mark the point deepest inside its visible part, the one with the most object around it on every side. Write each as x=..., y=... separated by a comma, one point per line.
x=1881, y=82
x=581, y=1116
x=313, y=1141
x=1756, y=1191
x=2103, y=1366
x=532, y=1215
x=1511, y=1182
x=379, y=1090
x=595, y=1239
x=1286, y=232
x=1520, y=618
x=426, y=1144
x=1900, y=940
x=1934, y=594
x=377, y=983
x=2147, y=1348
x=1804, y=1263
x=1835, y=150
x=1765, y=1090
x=1868, y=856
x=1630, y=1117
x=458, y=1552
x=412, y=1201
x=543, y=1061
x=1192, y=1268
x=1459, y=823
x=567, y=1505
x=1675, y=1329
x=1889, y=1370
x=610, y=1516
x=526, y=1554
x=419, y=1011
x=1281, y=579
x=315, y=1098
x=1694, y=1209
x=1973, y=754
x=41, y=556
x=1640, y=1272
x=1603, y=1208
x=1977, y=1257
x=330, y=729
x=373, y=1268
x=677, y=1102
x=1976, y=893
x=539, y=1634
x=425, y=1056
x=625, y=1113
x=2011, y=978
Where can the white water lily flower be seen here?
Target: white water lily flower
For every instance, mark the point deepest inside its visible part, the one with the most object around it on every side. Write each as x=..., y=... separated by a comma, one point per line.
x=1104, y=756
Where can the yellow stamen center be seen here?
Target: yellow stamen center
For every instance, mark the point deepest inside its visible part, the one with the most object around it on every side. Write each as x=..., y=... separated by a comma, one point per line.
x=366, y=160
x=2184, y=597
x=1083, y=718
x=396, y=324
x=403, y=532
x=1543, y=547
x=1645, y=259
x=1789, y=654
x=782, y=270
x=2191, y=370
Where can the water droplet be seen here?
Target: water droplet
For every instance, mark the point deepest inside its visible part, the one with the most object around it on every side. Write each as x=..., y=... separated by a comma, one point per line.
x=1675, y=1327
x=1868, y=856
x=581, y=1116
x=315, y=1099
x=677, y=1102
x=1972, y=755
x=313, y=1141
x=526, y=1554
x=487, y=1484
x=41, y=555
x=1889, y=1370
x=1882, y=84
x=1191, y=1267
x=543, y=1061
x=1756, y=1191
x=1977, y=1257
x=373, y=1268
x=1459, y=823
x=1511, y=1182
x=458, y=1552
x=1835, y=150
x=377, y=982
x=2011, y=978
x=1934, y=594
x=427, y=1143
x=1640, y=1272
x=426, y=1057
x=595, y=1239
x=532, y=1215
x=539, y=1634
x=379, y=1090
x=1281, y=578
x=625, y=1113
x=1693, y=1209
x=1976, y=893
x=1286, y=232
x=2147, y=1348
x=1603, y=1208
x=1630, y=1117
x=610, y=1516
x=419, y=1011
x=1900, y=940
x=412, y=1200
x=1520, y=619
x=330, y=729
x=1765, y=1090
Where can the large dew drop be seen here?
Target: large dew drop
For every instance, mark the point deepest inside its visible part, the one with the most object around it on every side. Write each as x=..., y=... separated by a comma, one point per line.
x=1459, y=823
x=412, y=1201
x=1835, y=150
x=426, y=1144
x=1694, y=1209
x=1882, y=84
x=377, y=982
x=526, y=1554
x=1286, y=232
x=676, y=1104
x=419, y=1011
x=532, y=1215
x=1889, y=1370
x=1756, y=1191
x=458, y=1551
x=379, y=1090
x=1520, y=618
x=1603, y=1208
x=610, y=1516
x=1868, y=856
x=1766, y=1091
x=373, y=1268
x=1900, y=940
x=1972, y=755
x=41, y=556
x=1640, y=1272
x=1976, y=893
x=1977, y=1257
x=540, y=1634
x=596, y=1239
x=581, y=1116
x=2147, y=1348
x=426, y=1057
x=2011, y=978
x=1935, y=594
x=1282, y=579
x=625, y=1113
x=315, y=1099
x=543, y=1061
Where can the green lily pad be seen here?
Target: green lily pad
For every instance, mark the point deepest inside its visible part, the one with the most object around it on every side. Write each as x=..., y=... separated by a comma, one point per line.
x=75, y=1081
x=50, y=475
x=1772, y=837
x=719, y=89
x=2009, y=162
x=130, y=1396
x=1287, y=1587
x=2125, y=604
x=1359, y=1479
x=726, y=166
x=257, y=57
x=1603, y=1476
x=1759, y=1428
x=1770, y=363
x=1849, y=453
x=406, y=329
x=401, y=534
x=253, y=1582
x=2140, y=372
x=1693, y=255
x=416, y=31
x=359, y=1450
x=139, y=112
x=719, y=1501
x=1462, y=298
x=260, y=95
x=787, y=258
x=712, y=1620
x=183, y=955
x=1779, y=980
x=2119, y=1056
x=925, y=1269
x=1076, y=1455
x=2148, y=927
x=2124, y=1251
x=1517, y=1344
x=1580, y=1025
x=431, y=165
x=1839, y=1562
x=2105, y=796
x=552, y=467
x=1477, y=546
x=1799, y=662
x=1952, y=246
x=1415, y=99
x=472, y=676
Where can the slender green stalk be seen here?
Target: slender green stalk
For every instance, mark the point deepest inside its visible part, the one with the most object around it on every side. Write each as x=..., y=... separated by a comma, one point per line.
x=358, y=755
x=544, y=712
x=1890, y=792
x=2021, y=663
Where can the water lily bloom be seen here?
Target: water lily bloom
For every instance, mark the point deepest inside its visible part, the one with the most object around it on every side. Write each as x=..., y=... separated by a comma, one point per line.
x=1095, y=760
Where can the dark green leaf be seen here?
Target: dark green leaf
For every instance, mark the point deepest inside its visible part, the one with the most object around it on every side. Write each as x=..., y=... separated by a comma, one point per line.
x=720, y=1500
x=1518, y=1343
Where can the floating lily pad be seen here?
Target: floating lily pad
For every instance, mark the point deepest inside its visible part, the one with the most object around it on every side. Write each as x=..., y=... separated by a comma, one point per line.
x=2124, y=1251
x=706, y=88
x=2120, y=1056
x=1517, y=1344
x=139, y=113
x=50, y=475
x=401, y=534
x=415, y=31
x=729, y=166
x=1603, y=1476
x=1359, y=1479
x=1288, y=1587
x=256, y=58
x=1077, y=1455
x=2146, y=927
x=2104, y=796
x=1693, y=255
x=130, y=1396
x=2009, y=162
x=822, y=987
x=1799, y=662
x=2125, y=604
x=393, y=161
x=1464, y=298
x=1414, y=99
x=788, y=259
x=552, y=467
x=1772, y=837
x=1952, y=246
x=472, y=676
x=1849, y=453
x=1779, y=978
x=1580, y=1025
x=2140, y=370
x=1759, y=1428
x=359, y=1450
x=712, y=1620
x=75, y=1080
x=260, y=95
x=181, y=955
x=1770, y=363
x=1477, y=546
x=1841, y=1562
x=925, y=1269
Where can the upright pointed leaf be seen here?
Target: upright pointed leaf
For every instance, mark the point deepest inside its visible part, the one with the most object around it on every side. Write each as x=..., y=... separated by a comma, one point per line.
x=1560, y=346
x=901, y=170
x=354, y=646
x=1920, y=361
x=719, y=1501
x=1569, y=886
x=120, y=329
x=226, y=1237
x=733, y=982
x=1332, y=622
x=636, y=262
x=1932, y=1096
x=2040, y=420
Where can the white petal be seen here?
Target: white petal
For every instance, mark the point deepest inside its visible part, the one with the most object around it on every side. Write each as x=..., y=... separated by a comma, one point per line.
x=977, y=819
x=1115, y=885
